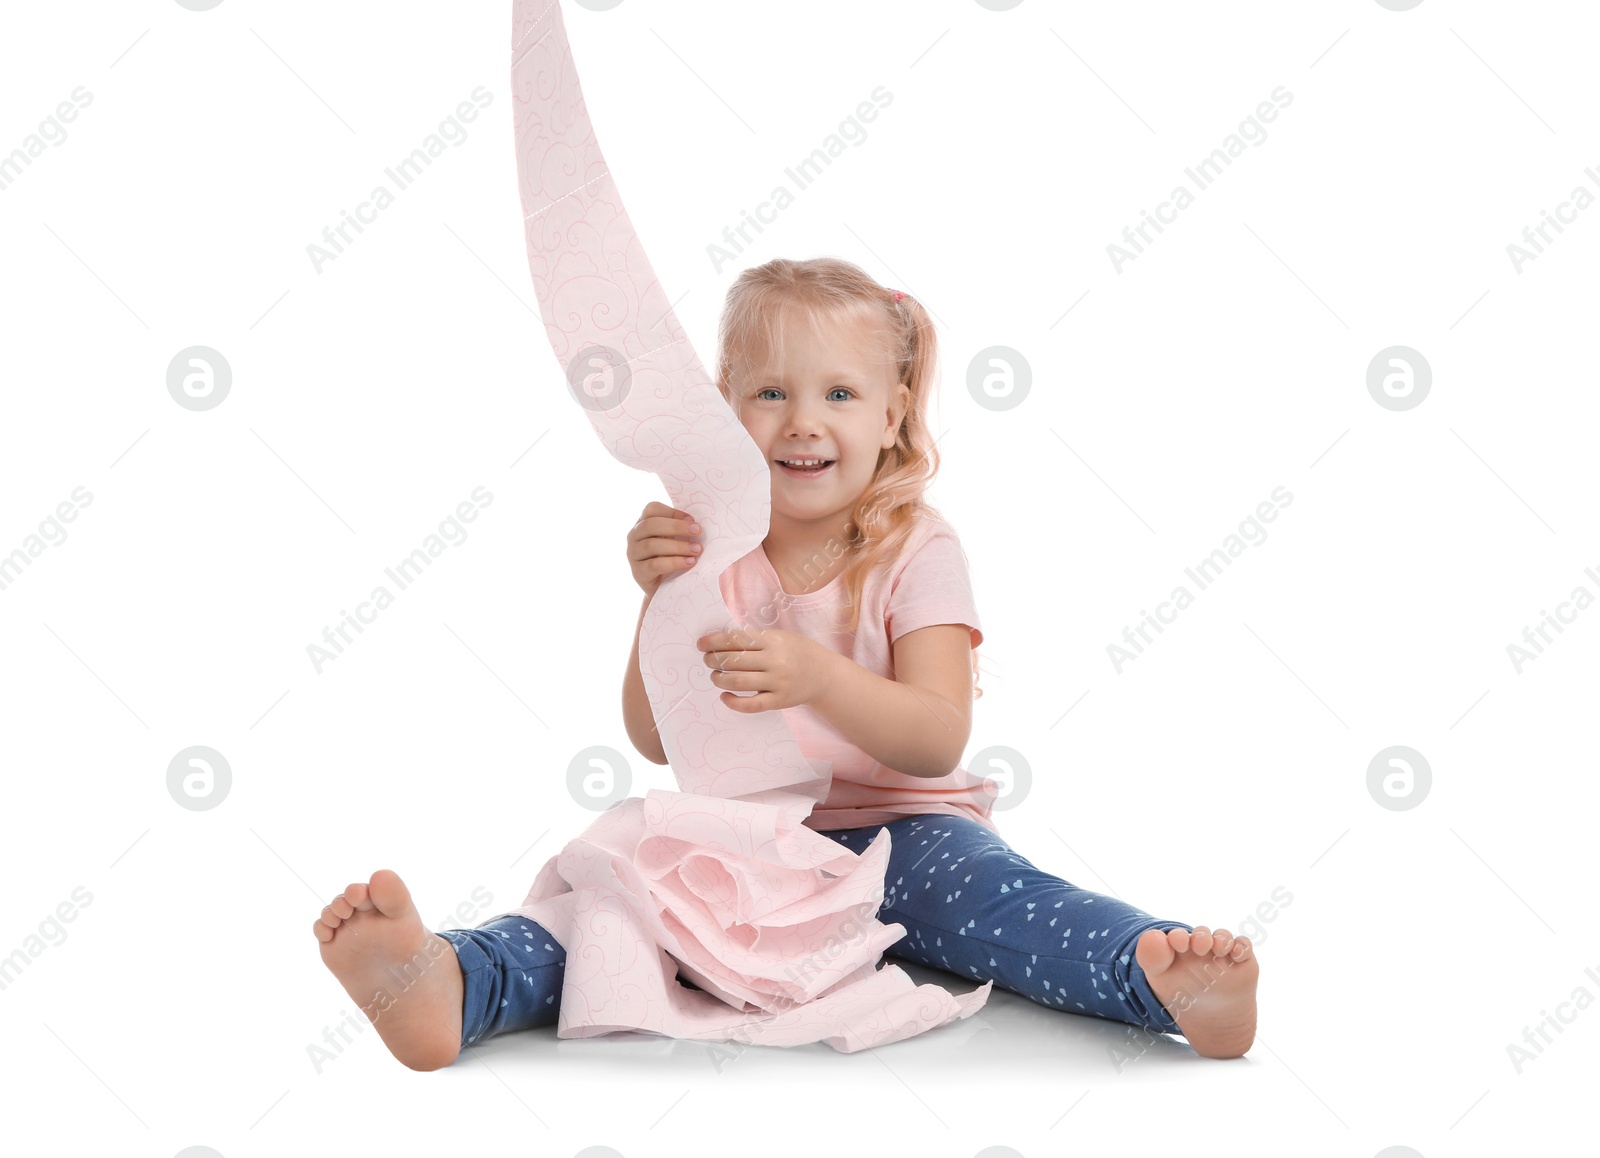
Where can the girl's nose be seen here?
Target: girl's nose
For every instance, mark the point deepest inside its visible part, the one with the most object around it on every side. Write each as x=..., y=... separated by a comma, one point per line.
x=801, y=422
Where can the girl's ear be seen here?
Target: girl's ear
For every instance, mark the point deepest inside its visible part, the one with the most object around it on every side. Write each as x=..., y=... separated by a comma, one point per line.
x=899, y=402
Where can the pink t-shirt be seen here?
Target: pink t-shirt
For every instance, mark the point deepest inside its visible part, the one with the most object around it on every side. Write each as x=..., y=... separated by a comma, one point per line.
x=928, y=584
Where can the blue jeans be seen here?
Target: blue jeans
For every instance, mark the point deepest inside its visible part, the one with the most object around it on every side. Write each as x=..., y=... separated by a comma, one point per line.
x=970, y=904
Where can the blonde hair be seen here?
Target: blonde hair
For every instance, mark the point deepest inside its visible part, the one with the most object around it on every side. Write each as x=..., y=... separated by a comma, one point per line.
x=824, y=292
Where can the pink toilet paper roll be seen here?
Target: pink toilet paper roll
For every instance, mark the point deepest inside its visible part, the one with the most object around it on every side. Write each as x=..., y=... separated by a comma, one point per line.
x=720, y=880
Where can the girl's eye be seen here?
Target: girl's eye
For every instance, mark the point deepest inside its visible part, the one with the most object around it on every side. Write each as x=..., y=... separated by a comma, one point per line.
x=775, y=390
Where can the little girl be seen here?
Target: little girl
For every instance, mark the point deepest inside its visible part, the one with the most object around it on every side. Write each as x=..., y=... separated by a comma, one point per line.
x=830, y=373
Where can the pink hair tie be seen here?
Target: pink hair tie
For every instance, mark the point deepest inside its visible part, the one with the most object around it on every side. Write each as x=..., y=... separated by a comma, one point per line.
x=898, y=295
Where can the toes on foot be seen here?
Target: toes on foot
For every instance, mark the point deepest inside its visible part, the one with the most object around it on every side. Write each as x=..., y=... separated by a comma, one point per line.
x=1200, y=939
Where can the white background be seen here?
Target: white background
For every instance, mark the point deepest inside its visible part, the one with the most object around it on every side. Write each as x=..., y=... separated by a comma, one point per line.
x=1167, y=401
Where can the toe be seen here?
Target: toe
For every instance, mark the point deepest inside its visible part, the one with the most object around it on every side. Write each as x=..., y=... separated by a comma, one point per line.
x=322, y=931
x=1178, y=939
x=1153, y=952
x=1242, y=948
x=1221, y=940
x=355, y=894
x=389, y=893
x=329, y=918
x=342, y=908
x=1200, y=939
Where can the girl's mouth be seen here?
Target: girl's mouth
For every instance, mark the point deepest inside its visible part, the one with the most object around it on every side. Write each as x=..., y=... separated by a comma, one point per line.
x=812, y=468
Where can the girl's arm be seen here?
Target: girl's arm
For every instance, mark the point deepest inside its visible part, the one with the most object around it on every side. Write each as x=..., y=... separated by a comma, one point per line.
x=636, y=714
x=917, y=723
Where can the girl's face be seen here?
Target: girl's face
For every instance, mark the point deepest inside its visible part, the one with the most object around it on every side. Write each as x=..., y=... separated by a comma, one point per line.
x=835, y=398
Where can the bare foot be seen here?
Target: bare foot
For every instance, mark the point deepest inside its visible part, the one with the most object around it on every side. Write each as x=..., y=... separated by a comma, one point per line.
x=1207, y=982
x=405, y=979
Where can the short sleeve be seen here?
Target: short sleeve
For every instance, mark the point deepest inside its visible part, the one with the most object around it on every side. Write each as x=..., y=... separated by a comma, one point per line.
x=933, y=587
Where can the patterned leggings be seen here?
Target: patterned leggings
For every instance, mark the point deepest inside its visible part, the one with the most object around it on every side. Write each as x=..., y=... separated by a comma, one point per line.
x=970, y=904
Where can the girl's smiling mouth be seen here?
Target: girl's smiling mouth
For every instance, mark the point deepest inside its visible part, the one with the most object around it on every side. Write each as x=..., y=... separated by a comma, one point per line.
x=813, y=467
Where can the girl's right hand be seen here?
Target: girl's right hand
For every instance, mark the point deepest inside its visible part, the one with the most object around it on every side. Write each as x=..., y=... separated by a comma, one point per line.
x=663, y=542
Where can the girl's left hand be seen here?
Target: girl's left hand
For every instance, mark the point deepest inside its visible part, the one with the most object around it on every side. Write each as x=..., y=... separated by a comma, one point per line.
x=785, y=669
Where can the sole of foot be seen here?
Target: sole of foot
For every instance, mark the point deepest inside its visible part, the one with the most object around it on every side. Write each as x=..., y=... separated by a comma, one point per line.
x=405, y=979
x=1207, y=982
